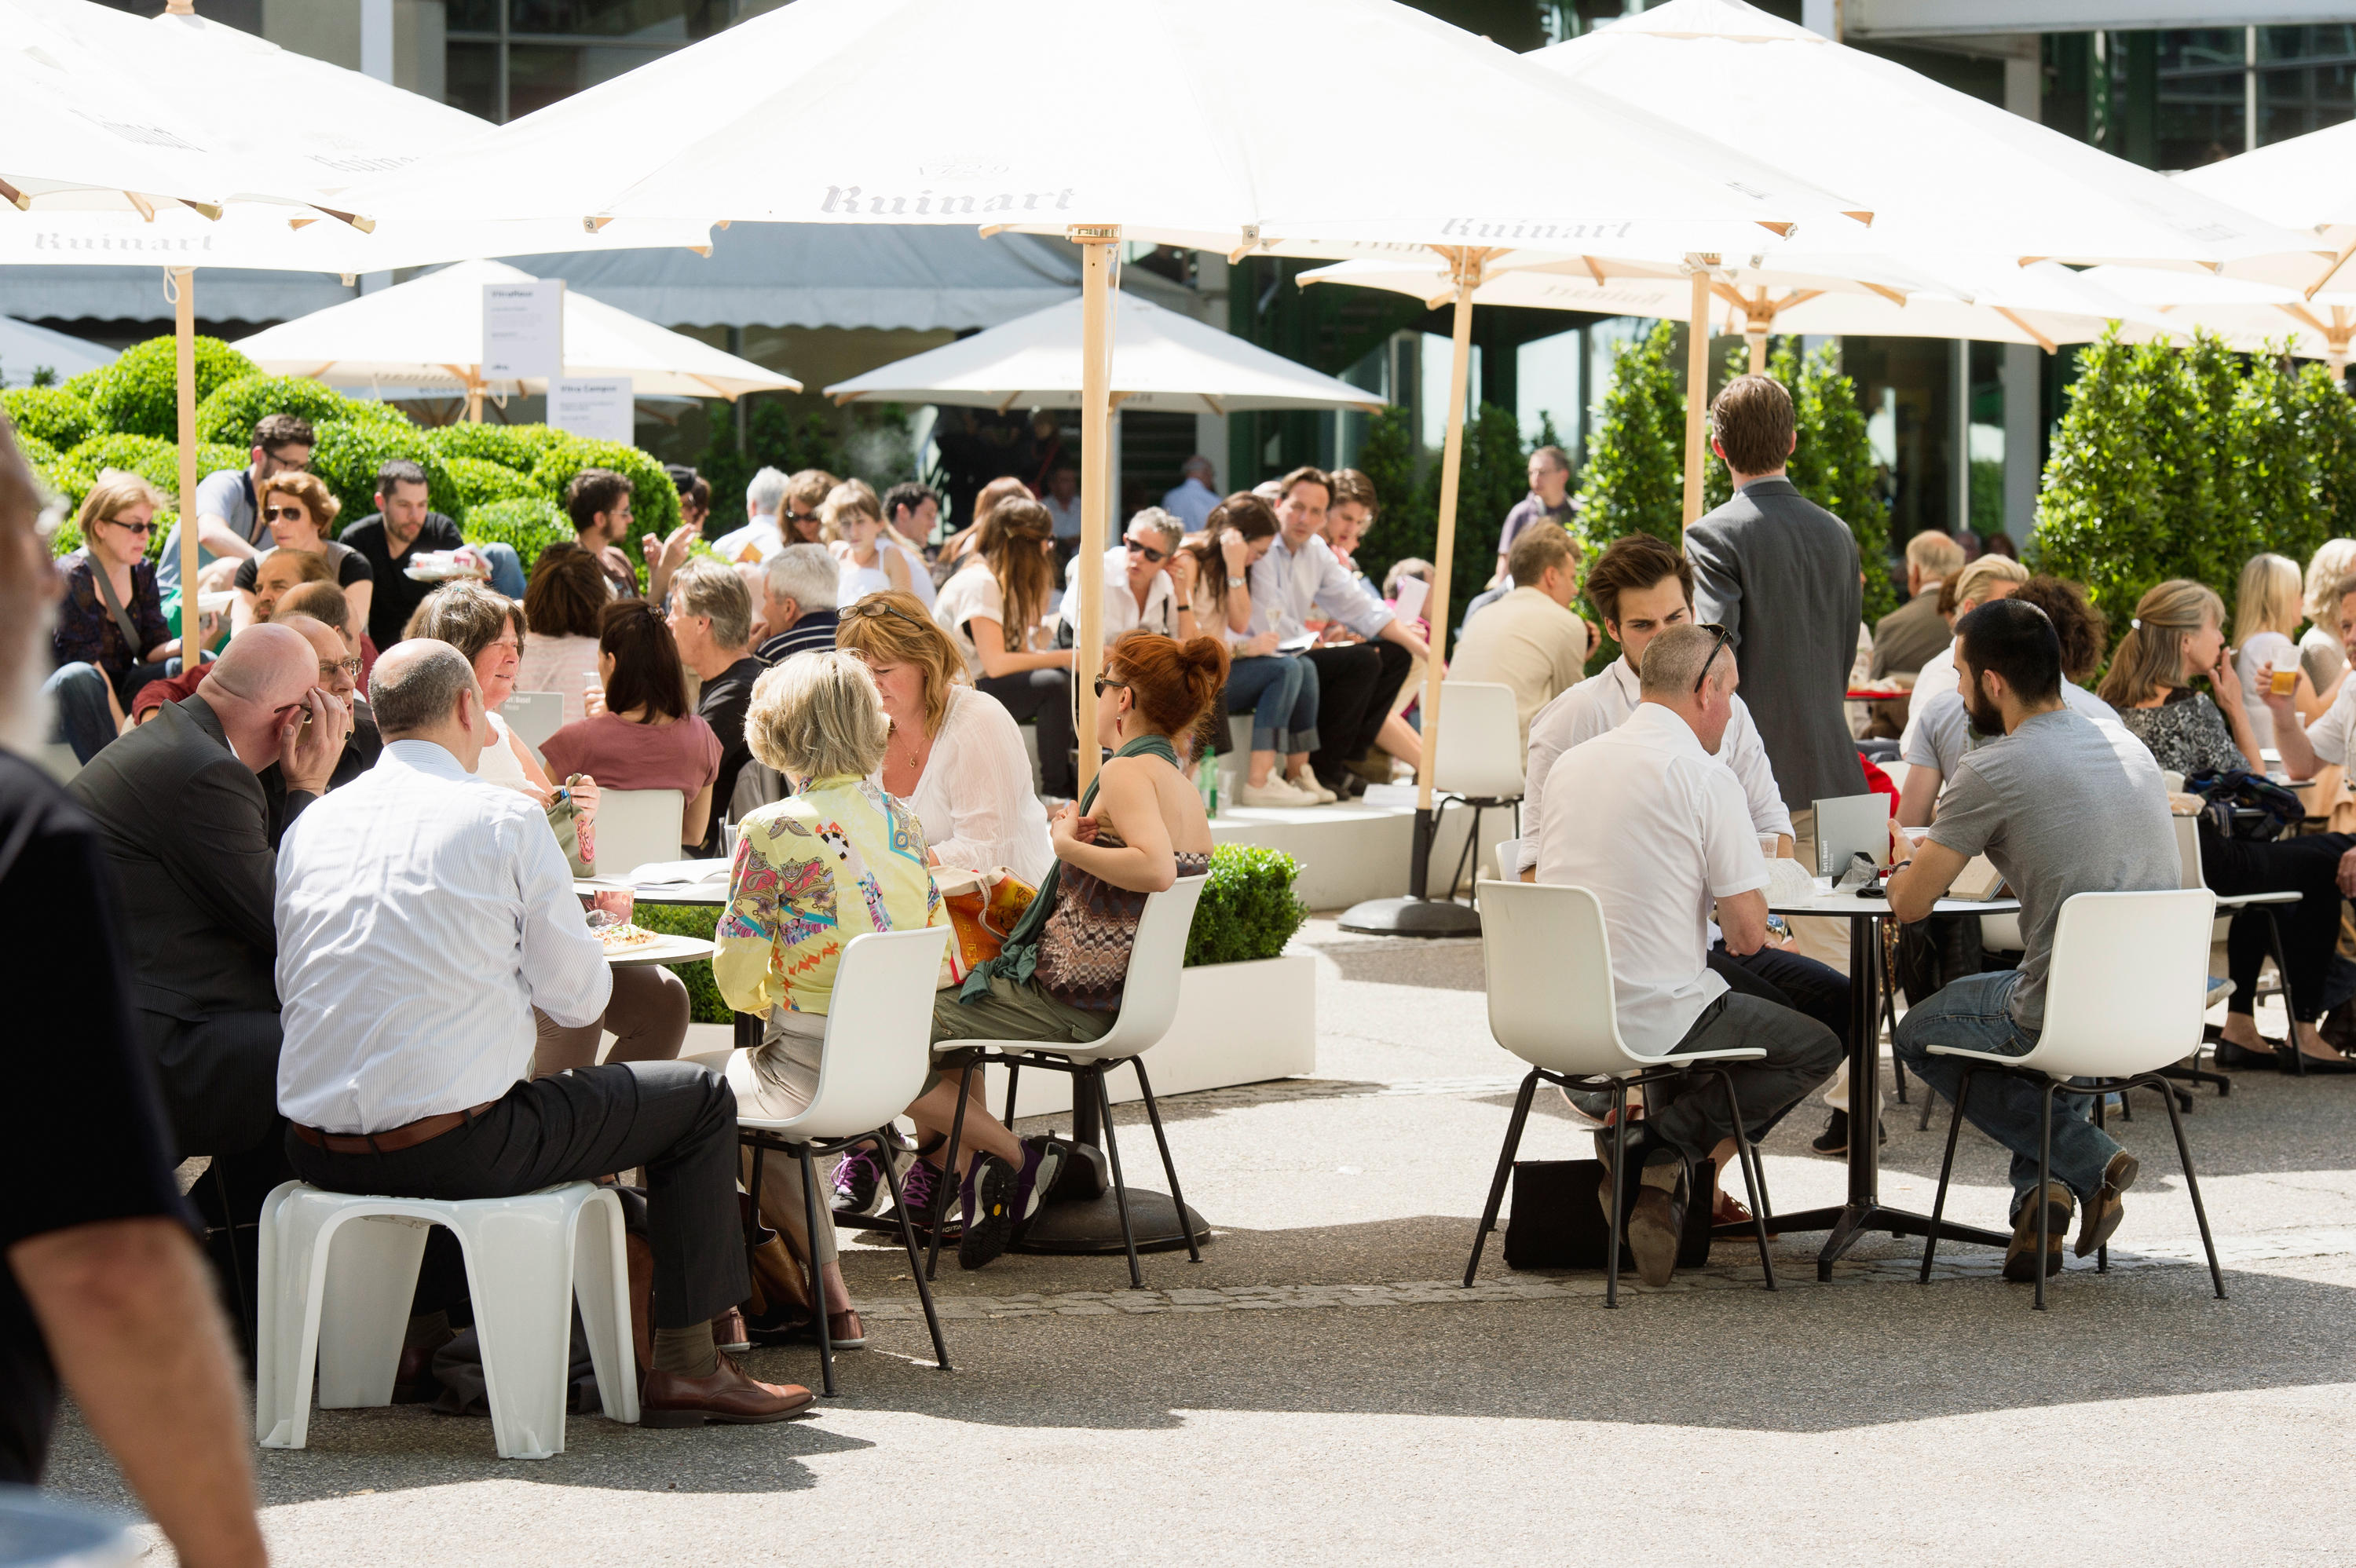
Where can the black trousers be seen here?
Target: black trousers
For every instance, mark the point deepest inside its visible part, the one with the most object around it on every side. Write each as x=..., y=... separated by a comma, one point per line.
x=1046, y=697
x=2308, y=866
x=218, y=1077
x=1356, y=684
x=672, y=1117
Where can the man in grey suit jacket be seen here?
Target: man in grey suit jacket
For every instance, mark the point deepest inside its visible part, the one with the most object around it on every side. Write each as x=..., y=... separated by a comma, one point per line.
x=186, y=828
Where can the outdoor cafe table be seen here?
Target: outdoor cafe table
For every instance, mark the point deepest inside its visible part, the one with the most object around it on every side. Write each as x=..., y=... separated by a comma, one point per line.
x=1865, y=1209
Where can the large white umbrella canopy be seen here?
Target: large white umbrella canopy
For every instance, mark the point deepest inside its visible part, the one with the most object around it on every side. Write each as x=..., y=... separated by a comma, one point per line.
x=2045, y=304
x=25, y=348
x=2308, y=183
x=1161, y=360
x=2251, y=315
x=1943, y=173
x=428, y=333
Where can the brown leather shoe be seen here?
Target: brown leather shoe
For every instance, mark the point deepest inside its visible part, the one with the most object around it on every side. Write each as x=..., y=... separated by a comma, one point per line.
x=728, y=1397
x=844, y=1331
x=728, y=1331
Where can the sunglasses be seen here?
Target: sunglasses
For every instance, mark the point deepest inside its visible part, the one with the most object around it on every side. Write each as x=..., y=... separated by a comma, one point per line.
x=291, y=513
x=1154, y=556
x=868, y=609
x=1105, y=683
x=1723, y=638
x=142, y=529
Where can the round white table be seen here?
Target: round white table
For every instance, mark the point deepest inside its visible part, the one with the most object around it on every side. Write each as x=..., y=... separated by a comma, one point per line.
x=663, y=949
x=1865, y=1211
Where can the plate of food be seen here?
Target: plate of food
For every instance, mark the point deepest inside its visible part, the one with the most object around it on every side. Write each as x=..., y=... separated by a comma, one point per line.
x=446, y=566
x=216, y=603
x=626, y=937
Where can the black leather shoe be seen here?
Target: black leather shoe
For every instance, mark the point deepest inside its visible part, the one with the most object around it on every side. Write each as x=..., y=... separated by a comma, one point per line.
x=2231, y=1058
x=1658, y=1220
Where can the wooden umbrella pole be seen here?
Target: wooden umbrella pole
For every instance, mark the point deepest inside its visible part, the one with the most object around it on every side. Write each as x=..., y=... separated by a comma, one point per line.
x=1758, y=318
x=1697, y=386
x=180, y=283
x=1464, y=267
x=1096, y=243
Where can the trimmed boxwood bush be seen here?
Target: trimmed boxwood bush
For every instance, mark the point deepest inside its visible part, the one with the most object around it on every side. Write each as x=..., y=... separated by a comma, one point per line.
x=50, y=414
x=136, y=394
x=230, y=413
x=158, y=462
x=704, y=1006
x=350, y=452
x=516, y=446
x=37, y=452
x=654, y=499
x=478, y=482
x=530, y=523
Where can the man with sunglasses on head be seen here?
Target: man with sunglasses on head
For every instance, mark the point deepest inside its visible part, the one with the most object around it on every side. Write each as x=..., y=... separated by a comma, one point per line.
x=1649, y=819
x=228, y=522
x=1149, y=583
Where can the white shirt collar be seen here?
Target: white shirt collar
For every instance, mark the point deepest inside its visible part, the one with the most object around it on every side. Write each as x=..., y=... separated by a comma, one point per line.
x=1656, y=726
x=424, y=757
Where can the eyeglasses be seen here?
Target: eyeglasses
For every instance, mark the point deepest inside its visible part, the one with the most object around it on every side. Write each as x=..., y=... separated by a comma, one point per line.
x=1723, y=638
x=1155, y=555
x=291, y=513
x=868, y=609
x=289, y=464
x=142, y=529
x=1105, y=681
x=330, y=669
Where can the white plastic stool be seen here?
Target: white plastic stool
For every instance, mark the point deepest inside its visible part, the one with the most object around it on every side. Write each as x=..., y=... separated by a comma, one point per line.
x=353, y=1261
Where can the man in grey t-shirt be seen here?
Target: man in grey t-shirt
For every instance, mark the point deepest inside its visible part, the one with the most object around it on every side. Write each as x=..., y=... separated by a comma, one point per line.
x=2061, y=805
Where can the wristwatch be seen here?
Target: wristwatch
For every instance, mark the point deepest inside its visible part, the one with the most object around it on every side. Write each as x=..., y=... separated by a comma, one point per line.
x=1235, y=582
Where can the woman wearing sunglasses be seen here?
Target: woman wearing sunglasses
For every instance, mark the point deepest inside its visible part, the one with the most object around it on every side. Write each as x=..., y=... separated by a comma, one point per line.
x=111, y=638
x=299, y=510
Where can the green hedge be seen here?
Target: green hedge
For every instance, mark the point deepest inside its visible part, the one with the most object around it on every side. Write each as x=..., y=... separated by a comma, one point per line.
x=155, y=460
x=138, y=394
x=516, y=446
x=50, y=414
x=478, y=482
x=350, y=452
x=1248, y=911
x=231, y=411
x=37, y=452
x=530, y=523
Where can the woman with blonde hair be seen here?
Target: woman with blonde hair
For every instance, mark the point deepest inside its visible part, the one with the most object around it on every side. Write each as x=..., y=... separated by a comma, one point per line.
x=830, y=863
x=2267, y=605
x=955, y=754
x=2320, y=653
x=2176, y=637
x=110, y=637
x=300, y=510
x=993, y=608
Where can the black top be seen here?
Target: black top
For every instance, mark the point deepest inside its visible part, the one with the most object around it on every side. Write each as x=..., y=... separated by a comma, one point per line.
x=350, y=566
x=725, y=697
x=362, y=747
x=187, y=830
x=396, y=598
x=96, y=1150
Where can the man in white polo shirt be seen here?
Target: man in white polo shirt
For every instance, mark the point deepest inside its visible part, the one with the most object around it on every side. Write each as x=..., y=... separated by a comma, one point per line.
x=1649, y=820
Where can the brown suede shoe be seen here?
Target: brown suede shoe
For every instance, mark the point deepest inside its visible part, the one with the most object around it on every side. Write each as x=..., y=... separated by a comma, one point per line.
x=728, y=1397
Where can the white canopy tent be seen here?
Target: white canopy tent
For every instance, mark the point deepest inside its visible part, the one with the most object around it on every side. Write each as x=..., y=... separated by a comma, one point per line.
x=1161, y=360
x=428, y=334
x=25, y=348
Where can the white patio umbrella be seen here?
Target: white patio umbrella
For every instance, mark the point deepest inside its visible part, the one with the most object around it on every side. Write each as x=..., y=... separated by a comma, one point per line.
x=428, y=333
x=1161, y=360
x=1211, y=158
x=2250, y=315
x=25, y=348
x=2305, y=183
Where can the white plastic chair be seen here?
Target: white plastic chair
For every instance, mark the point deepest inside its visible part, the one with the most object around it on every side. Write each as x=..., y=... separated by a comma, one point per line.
x=336, y=1274
x=534, y=715
x=1548, y=961
x=2125, y=990
x=1479, y=760
x=637, y=827
x=1149, y=1001
x=879, y=1030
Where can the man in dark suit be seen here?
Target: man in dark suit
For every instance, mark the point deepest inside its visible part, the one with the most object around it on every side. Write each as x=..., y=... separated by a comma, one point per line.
x=1780, y=573
x=1915, y=630
x=182, y=815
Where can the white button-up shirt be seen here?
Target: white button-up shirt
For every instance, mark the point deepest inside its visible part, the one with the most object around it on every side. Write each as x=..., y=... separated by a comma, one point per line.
x=420, y=920
x=1121, y=611
x=1656, y=828
x=761, y=538
x=1601, y=703
x=1287, y=587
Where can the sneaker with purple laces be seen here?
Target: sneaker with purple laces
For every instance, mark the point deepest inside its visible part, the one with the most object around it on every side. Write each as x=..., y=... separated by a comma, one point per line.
x=918, y=1185
x=857, y=1181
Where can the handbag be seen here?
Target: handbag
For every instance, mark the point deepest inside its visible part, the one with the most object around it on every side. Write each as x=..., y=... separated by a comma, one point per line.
x=984, y=907
x=2248, y=805
x=1557, y=1221
x=576, y=837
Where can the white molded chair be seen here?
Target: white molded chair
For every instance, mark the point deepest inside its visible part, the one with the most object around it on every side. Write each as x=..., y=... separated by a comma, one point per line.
x=1557, y=1014
x=1479, y=760
x=1149, y=1001
x=534, y=715
x=337, y=1270
x=879, y=1031
x=637, y=827
x=2124, y=994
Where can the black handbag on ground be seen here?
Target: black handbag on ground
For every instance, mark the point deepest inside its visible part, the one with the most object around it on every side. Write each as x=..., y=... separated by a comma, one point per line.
x=1556, y=1223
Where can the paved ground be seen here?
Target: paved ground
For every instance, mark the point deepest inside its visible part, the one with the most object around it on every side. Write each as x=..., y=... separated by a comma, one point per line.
x=1314, y=1391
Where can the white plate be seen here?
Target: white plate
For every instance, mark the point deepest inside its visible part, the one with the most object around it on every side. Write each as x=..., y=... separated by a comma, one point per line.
x=215, y=603
x=664, y=949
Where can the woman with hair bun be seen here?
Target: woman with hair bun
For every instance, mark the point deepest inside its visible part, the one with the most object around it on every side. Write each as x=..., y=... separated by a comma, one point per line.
x=1138, y=829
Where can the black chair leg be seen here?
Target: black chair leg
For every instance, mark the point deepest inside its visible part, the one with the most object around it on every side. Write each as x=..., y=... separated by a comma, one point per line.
x=948, y=1169
x=1947, y=1168
x=1505, y=1167
x=817, y=1274
x=908, y=1239
x=1748, y=1157
x=753, y=1208
x=1619, y=1171
x=251, y=1323
x=2192, y=1185
x=2282, y=976
x=2103, y=1253
x=1014, y=1073
x=1169, y=1165
x=2044, y=1178
x=1095, y=1074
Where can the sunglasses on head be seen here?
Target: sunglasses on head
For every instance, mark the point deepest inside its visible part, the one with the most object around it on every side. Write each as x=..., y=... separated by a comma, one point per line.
x=1723, y=638
x=868, y=609
x=1154, y=556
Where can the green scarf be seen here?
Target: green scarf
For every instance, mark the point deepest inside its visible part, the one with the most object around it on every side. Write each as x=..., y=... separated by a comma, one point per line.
x=1020, y=955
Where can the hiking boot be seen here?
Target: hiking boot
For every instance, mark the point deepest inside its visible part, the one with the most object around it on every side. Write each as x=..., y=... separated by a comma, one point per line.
x=2020, y=1257
x=990, y=1193
x=1659, y=1221
x=2104, y=1210
x=1043, y=1162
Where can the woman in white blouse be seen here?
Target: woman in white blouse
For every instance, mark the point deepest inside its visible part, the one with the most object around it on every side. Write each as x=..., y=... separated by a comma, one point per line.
x=955, y=755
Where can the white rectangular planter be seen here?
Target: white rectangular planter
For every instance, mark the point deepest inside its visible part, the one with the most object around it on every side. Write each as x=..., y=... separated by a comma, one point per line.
x=1236, y=1023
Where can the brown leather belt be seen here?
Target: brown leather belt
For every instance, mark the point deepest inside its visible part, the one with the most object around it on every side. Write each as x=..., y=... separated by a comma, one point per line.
x=392, y=1140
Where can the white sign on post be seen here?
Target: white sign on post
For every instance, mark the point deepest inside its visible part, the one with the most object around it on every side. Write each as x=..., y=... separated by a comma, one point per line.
x=524, y=330
x=597, y=407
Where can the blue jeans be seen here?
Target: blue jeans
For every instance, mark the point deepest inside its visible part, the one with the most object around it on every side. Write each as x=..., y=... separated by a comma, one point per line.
x=1281, y=692
x=1971, y=1014
x=506, y=568
x=78, y=692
